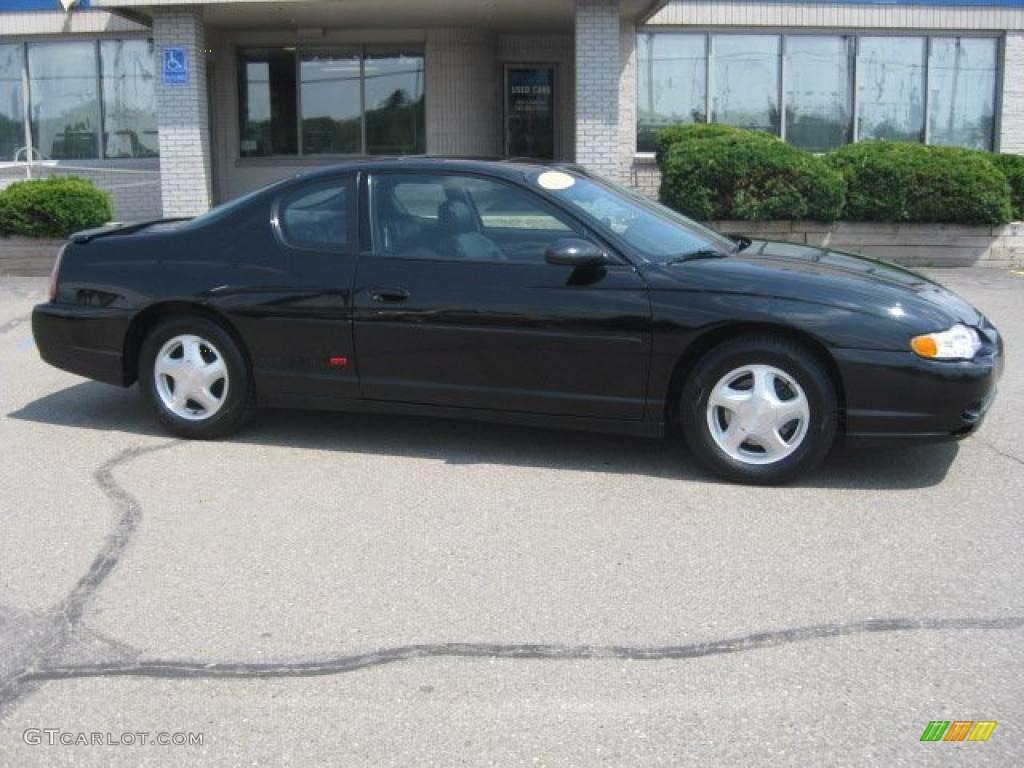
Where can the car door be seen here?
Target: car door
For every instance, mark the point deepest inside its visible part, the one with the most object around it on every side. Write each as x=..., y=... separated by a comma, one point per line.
x=455, y=305
x=292, y=299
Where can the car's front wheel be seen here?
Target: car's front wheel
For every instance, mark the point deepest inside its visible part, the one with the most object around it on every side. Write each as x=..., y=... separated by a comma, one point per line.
x=195, y=378
x=759, y=409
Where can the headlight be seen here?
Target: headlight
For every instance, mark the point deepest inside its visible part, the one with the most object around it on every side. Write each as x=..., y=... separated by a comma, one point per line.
x=958, y=343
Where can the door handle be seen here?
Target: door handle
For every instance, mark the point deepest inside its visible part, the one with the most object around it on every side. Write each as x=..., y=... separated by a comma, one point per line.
x=389, y=295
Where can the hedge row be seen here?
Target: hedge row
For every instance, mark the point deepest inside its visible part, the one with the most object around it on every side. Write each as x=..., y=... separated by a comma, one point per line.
x=717, y=172
x=53, y=207
x=720, y=172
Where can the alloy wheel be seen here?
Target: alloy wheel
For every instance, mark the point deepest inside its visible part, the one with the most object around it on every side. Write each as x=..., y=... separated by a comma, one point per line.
x=191, y=377
x=758, y=414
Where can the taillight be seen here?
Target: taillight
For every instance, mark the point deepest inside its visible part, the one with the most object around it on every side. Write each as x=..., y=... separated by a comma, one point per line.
x=54, y=273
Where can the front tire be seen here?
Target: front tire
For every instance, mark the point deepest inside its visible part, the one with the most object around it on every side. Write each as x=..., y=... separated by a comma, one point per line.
x=759, y=409
x=195, y=378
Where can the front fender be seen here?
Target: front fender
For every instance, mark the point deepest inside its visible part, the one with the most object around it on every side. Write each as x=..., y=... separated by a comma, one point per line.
x=688, y=323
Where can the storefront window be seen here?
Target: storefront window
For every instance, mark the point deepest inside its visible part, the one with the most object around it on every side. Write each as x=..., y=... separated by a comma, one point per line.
x=12, y=116
x=394, y=103
x=890, y=88
x=331, y=105
x=65, y=105
x=129, y=99
x=819, y=91
x=671, y=83
x=827, y=79
x=351, y=102
x=962, y=91
x=266, y=103
x=745, y=81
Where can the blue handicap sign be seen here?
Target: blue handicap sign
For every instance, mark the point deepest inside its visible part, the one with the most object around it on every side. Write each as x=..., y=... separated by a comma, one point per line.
x=175, y=66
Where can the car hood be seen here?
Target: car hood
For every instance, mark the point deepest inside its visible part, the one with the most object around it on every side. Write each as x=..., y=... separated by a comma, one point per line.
x=823, y=276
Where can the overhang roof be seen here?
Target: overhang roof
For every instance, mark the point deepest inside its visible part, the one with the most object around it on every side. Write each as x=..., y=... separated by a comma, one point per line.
x=544, y=15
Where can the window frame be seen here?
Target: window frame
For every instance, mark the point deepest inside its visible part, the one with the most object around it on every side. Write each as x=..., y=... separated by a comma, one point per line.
x=363, y=51
x=851, y=41
x=997, y=96
x=856, y=34
x=926, y=60
x=653, y=32
x=780, y=70
x=578, y=226
x=103, y=102
x=22, y=89
x=292, y=191
x=98, y=84
x=95, y=42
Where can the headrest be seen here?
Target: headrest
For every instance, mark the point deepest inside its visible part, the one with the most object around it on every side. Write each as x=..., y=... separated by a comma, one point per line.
x=455, y=217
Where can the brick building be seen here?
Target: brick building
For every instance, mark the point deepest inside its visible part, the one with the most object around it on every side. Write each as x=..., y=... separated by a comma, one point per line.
x=176, y=106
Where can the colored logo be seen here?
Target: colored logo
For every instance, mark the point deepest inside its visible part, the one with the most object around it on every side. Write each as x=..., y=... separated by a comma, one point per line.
x=175, y=66
x=958, y=730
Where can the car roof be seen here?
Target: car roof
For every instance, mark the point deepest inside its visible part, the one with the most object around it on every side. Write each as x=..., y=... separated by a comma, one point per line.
x=510, y=168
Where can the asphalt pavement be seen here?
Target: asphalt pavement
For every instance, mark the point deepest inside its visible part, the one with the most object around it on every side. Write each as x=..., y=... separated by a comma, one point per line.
x=347, y=590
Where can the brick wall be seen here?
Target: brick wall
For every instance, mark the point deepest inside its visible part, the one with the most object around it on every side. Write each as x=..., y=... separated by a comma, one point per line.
x=182, y=112
x=597, y=86
x=627, y=99
x=644, y=176
x=1011, y=119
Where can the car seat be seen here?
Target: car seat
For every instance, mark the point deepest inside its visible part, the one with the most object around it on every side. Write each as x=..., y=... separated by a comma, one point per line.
x=460, y=237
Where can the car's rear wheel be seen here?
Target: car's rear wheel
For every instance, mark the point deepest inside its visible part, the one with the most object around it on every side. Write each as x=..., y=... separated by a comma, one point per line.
x=195, y=378
x=759, y=409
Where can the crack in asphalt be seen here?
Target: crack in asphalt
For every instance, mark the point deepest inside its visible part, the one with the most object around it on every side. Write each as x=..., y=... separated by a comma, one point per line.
x=66, y=616
x=1001, y=452
x=341, y=664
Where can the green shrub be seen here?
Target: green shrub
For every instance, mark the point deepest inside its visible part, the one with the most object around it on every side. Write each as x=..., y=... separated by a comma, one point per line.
x=666, y=138
x=892, y=181
x=1012, y=167
x=718, y=172
x=53, y=207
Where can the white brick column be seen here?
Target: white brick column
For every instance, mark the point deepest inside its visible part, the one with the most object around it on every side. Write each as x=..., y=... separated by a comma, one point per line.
x=597, y=86
x=182, y=114
x=627, y=99
x=1011, y=118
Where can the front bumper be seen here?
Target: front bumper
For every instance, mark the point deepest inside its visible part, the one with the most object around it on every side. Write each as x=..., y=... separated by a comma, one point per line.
x=88, y=341
x=900, y=395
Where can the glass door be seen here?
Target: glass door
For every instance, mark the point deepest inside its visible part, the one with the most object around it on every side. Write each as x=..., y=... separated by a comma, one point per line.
x=530, y=111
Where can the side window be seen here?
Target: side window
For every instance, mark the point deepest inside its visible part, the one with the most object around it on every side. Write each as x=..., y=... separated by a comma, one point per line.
x=465, y=218
x=420, y=198
x=321, y=216
x=504, y=207
x=406, y=208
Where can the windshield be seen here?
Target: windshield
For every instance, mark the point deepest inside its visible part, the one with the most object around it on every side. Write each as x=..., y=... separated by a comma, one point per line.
x=651, y=230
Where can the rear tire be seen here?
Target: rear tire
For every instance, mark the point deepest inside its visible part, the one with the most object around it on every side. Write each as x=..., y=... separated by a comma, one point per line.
x=759, y=409
x=195, y=378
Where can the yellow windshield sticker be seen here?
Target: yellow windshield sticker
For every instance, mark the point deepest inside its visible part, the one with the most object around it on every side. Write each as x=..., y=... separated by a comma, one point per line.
x=555, y=180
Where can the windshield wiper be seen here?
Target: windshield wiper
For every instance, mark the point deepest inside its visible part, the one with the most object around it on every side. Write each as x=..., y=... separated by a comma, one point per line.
x=702, y=253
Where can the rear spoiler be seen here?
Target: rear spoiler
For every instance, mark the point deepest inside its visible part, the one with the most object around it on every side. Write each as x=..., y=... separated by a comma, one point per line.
x=119, y=229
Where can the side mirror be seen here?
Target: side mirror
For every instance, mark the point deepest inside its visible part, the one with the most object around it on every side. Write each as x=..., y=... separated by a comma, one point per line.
x=575, y=252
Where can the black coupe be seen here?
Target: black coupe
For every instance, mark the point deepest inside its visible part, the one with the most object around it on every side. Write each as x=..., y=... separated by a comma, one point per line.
x=521, y=293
